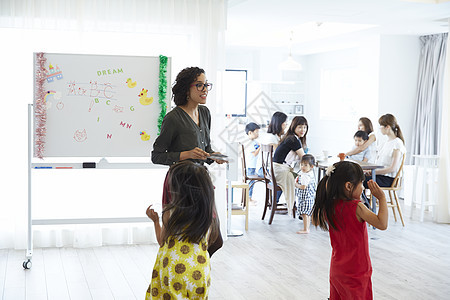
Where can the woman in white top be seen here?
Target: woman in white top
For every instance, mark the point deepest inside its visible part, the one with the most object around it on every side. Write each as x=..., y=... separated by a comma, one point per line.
x=364, y=124
x=390, y=153
x=276, y=129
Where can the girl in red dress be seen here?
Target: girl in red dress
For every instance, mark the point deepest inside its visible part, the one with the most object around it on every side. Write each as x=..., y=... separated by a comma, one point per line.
x=339, y=210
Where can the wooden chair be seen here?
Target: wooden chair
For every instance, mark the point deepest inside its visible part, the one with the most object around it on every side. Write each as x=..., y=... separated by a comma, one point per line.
x=396, y=185
x=393, y=198
x=271, y=183
x=248, y=178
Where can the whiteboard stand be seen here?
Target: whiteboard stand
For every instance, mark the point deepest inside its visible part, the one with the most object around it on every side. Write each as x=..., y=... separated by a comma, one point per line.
x=103, y=164
x=231, y=175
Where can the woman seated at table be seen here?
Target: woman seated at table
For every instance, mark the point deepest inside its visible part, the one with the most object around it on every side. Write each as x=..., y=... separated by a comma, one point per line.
x=275, y=131
x=364, y=124
x=294, y=139
x=390, y=153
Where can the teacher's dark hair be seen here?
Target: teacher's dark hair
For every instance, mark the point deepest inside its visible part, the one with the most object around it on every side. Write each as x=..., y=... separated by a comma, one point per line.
x=183, y=83
x=275, y=126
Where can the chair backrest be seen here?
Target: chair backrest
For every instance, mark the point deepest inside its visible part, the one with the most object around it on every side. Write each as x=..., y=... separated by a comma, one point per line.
x=398, y=178
x=244, y=165
x=267, y=164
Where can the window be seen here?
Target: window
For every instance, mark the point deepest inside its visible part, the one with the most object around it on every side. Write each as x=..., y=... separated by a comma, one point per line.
x=235, y=93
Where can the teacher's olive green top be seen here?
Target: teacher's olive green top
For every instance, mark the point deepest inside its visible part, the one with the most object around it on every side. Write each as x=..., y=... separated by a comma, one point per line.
x=180, y=133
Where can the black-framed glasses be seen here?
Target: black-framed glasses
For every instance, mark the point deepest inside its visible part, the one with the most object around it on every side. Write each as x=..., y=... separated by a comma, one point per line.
x=201, y=86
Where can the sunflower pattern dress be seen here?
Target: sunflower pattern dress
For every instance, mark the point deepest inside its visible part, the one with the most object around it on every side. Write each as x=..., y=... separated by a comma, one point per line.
x=181, y=271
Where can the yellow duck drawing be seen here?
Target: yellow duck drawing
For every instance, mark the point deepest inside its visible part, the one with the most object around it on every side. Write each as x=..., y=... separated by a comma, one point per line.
x=130, y=83
x=144, y=136
x=143, y=99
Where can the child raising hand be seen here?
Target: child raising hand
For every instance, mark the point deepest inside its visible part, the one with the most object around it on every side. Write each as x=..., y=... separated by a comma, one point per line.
x=189, y=225
x=339, y=210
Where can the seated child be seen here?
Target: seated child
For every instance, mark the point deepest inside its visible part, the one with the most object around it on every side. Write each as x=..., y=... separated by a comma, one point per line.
x=360, y=138
x=252, y=131
x=305, y=190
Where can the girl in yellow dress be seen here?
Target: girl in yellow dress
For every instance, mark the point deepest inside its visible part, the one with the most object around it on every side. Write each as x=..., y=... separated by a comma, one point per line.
x=189, y=224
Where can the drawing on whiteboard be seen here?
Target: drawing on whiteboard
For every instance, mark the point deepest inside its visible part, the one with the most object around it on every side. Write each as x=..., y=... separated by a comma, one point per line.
x=48, y=103
x=130, y=83
x=118, y=109
x=60, y=105
x=80, y=135
x=55, y=95
x=143, y=99
x=92, y=89
x=144, y=136
x=91, y=105
x=53, y=72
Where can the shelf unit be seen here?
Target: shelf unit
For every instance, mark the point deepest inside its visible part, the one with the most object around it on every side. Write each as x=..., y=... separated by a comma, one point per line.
x=289, y=94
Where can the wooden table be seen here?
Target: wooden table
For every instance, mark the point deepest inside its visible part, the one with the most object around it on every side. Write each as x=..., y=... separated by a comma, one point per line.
x=323, y=165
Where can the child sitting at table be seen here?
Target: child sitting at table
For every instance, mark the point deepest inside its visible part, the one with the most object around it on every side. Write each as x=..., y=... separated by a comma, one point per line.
x=305, y=190
x=361, y=137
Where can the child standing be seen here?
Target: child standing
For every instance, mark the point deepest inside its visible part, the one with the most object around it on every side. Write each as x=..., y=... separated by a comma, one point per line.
x=339, y=210
x=305, y=190
x=252, y=131
x=361, y=138
x=182, y=267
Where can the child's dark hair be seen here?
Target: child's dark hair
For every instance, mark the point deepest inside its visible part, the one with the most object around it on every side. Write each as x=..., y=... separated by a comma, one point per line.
x=331, y=188
x=309, y=159
x=361, y=134
x=183, y=83
x=252, y=126
x=192, y=209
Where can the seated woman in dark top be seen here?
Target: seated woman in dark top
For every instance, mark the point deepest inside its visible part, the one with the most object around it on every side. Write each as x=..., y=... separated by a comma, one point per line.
x=294, y=139
x=185, y=130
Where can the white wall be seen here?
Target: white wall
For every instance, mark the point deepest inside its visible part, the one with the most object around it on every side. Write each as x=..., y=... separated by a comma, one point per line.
x=387, y=67
x=399, y=68
x=337, y=135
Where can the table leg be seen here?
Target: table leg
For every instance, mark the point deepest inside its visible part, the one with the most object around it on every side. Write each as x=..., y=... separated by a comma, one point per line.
x=374, y=200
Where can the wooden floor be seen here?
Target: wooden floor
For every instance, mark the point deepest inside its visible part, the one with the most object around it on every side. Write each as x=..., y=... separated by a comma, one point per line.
x=268, y=262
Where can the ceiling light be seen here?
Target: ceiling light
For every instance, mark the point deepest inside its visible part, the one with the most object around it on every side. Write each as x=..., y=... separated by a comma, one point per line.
x=290, y=64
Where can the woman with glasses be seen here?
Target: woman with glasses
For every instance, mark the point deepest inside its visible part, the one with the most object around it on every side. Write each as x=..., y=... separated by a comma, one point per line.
x=185, y=131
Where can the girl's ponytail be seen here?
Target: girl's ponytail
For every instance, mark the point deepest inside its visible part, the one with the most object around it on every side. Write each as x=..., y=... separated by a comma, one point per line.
x=319, y=209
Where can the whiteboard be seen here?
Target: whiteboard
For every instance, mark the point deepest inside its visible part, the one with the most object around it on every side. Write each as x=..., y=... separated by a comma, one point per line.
x=100, y=105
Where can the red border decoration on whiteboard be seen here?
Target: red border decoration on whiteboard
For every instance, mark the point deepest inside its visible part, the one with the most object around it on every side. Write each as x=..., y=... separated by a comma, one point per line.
x=40, y=109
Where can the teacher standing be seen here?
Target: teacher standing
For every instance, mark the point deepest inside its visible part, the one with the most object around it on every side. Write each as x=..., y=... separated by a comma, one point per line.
x=185, y=131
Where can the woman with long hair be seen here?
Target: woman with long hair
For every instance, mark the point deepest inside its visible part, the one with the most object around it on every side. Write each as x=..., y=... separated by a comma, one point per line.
x=294, y=140
x=364, y=124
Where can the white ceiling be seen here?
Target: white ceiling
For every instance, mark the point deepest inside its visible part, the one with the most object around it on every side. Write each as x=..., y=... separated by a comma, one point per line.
x=320, y=24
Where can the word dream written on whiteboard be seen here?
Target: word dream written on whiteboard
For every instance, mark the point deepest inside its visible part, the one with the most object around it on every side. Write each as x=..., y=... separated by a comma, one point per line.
x=101, y=106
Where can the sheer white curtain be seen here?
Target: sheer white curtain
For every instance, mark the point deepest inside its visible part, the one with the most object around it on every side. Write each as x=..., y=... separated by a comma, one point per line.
x=428, y=112
x=189, y=31
x=443, y=199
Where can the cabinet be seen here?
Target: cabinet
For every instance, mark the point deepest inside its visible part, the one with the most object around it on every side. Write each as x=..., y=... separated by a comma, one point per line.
x=288, y=95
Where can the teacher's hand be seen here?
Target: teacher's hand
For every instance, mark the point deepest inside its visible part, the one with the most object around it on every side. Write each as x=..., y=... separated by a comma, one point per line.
x=219, y=161
x=195, y=153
